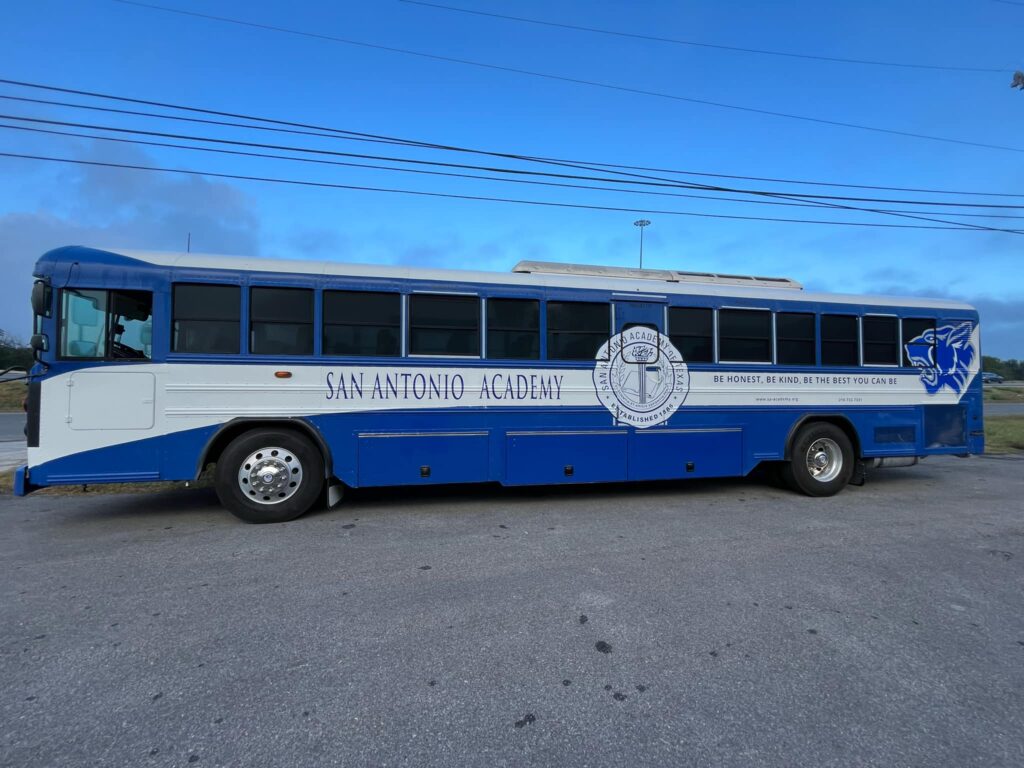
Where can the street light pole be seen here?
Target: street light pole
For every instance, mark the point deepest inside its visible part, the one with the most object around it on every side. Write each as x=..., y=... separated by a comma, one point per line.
x=641, y=223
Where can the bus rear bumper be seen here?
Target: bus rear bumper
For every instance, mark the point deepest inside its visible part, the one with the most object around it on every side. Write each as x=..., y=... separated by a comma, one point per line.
x=22, y=487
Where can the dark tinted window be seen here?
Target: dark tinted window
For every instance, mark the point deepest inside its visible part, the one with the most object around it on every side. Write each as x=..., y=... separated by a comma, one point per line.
x=745, y=335
x=913, y=328
x=513, y=329
x=362, y=323
x=444, y=325
x=281, y=321
x=206, y=319
x=691, y=331
x=839, y=340
x=795, y=338
x=881, y=340
x=577, y=329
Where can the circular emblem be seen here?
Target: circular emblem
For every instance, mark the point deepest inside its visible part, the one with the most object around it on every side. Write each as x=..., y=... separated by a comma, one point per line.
x=641, y=377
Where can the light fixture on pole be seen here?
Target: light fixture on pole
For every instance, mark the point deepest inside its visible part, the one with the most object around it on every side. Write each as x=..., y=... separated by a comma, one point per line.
x=641, y=223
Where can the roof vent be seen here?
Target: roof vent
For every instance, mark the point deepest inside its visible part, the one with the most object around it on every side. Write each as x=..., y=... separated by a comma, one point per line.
x=664, y=275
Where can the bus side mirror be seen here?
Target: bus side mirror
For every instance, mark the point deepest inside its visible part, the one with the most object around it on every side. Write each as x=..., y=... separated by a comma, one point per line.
x=42, y=297
x=40, y=343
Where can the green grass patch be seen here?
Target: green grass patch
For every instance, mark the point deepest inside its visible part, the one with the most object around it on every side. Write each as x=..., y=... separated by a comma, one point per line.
x=1004, y=434
x=995, y=394
x=12, y=396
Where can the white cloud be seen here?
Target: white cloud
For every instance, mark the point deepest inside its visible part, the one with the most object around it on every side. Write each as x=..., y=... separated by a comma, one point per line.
x=109, y=207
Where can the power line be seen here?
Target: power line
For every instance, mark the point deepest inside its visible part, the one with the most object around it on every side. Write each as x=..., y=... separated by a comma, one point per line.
x=215, y=150
x=573, y=80
x=775, y=180
x=546, y=203
x=840, y=206
x=693, y=43
x=818, y=200
x=291, y=127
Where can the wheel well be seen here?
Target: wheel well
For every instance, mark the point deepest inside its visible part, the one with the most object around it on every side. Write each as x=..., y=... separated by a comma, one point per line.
x=829, y=418
x=222, y=438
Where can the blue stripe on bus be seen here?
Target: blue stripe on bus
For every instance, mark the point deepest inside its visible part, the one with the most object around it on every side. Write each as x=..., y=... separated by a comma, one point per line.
x=478, y=445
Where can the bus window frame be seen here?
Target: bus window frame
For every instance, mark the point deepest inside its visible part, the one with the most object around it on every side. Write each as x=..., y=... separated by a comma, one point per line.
x=859, y=341
x=771, y=336
x=899, y=340
x=322, y=324
x=712, y=336
x=407, y=326
x=243, y=347
x=546, y=329
x=107, y=357
x=485, y=352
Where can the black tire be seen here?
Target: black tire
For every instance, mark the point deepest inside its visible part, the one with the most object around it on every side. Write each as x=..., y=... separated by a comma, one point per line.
x=290, y=485
x=832, y=460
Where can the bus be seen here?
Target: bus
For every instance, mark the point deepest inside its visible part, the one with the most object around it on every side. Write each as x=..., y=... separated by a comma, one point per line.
x=298, y=379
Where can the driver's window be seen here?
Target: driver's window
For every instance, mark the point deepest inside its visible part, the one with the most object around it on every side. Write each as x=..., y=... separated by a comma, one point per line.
x=131, y=330
x=83, y=323
x=111, y=325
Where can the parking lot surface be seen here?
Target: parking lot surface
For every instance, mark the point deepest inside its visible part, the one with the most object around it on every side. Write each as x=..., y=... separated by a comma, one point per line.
x=701, y=623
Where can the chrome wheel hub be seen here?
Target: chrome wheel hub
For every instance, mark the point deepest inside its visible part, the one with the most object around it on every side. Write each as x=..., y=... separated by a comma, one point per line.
x=824, y=460
x=270, y=475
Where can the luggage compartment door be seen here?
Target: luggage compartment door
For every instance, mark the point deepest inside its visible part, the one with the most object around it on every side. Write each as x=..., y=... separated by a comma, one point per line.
x=664, y=454
x=411, y=458
x=547, y=457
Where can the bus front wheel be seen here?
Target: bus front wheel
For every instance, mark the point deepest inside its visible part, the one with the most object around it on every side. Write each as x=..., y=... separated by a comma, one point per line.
x=821, y=460
x=269, y=476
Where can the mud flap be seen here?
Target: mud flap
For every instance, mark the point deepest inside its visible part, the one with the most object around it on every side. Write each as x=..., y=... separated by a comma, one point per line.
x=860, y=473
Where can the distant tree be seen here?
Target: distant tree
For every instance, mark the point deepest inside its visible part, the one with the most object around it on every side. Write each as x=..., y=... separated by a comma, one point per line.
x=1008, y=369
x=13, y=352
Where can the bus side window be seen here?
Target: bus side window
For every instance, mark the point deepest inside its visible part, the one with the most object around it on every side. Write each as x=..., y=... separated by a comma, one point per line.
x=796, y=341
x=839, y=341
x=744, y=335
x=206, y=319
x=83, y=319
x=691, y=331
x=281, y=321
x=577, y=329
x=513, y=329
x=881, y=340
x=362, y=323
x=131, y=325
x=444, y=325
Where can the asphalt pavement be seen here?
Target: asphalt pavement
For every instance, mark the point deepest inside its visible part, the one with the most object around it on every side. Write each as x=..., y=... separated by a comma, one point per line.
x=12, y=427
x=1004, y=409
x=702, y=623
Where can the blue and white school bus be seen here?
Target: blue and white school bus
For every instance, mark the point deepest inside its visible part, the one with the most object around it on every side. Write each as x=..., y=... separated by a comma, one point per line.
x=300, y=378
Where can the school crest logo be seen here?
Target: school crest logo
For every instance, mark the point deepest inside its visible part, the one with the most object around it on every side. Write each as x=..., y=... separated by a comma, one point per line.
x=944, y=355
x=640, y=377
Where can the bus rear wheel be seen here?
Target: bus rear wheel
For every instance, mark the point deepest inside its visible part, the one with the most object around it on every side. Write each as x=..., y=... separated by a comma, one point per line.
x=269, y=476
x=821, y=460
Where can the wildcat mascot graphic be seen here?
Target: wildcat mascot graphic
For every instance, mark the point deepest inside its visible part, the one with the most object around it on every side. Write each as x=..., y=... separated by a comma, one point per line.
x=944, y=355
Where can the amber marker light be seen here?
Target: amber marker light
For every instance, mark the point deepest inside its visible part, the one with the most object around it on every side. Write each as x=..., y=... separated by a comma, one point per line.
x=283, y=374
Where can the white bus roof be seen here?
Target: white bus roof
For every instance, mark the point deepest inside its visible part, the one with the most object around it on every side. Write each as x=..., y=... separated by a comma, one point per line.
x=551, y=275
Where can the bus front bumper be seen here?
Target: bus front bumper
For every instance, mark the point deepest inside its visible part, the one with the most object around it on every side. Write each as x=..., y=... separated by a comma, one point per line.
x=22, y=487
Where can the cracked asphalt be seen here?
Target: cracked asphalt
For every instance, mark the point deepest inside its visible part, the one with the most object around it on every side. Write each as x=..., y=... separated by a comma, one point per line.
x=702, y=623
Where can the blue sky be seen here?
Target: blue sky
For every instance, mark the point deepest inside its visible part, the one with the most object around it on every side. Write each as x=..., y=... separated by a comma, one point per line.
x=116, y=48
